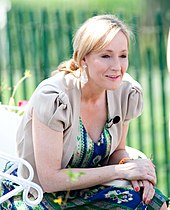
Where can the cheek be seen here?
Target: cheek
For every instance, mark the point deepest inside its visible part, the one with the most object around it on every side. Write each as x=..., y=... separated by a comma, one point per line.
x=125, y=65
x=97, y=66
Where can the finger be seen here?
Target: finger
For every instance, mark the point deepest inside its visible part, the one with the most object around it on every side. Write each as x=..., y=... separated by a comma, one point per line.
x=152, y=163
x=148, y=191
x=145, y=190
x=135, y=185
x=151, y=177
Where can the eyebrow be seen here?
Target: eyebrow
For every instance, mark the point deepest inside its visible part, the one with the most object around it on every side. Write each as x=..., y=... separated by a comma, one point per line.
x=107, y=50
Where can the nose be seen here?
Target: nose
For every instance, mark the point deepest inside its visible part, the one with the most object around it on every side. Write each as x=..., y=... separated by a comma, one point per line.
x=116, y=65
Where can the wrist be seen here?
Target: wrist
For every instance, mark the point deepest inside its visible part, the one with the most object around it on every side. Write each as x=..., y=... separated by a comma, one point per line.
x=120, y=171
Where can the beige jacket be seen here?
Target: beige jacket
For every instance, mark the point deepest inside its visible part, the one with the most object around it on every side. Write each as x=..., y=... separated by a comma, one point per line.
x=56, y=102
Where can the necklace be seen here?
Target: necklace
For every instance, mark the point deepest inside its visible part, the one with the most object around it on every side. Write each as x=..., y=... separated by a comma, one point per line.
x=100, y=141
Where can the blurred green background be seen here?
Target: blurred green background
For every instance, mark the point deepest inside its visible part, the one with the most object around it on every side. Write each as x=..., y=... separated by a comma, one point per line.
x=38, y=36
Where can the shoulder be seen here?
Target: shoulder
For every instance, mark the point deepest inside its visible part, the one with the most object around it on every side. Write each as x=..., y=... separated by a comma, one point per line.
x=130, y=83
x=61, y=85
x=127, y=99
x=54, y=99
x=60, y=81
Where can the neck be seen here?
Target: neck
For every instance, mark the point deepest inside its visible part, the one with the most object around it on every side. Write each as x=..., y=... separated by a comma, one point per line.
x=90, y=94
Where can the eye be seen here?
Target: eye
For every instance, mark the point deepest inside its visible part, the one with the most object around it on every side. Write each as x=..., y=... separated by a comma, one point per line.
x=105, y=56
x=123, y=56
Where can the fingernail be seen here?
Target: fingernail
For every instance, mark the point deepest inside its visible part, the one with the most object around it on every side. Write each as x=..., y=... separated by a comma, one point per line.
x=137, y=189
x=147, y=201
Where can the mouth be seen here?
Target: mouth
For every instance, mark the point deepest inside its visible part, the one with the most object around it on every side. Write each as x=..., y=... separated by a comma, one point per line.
x=113, y=77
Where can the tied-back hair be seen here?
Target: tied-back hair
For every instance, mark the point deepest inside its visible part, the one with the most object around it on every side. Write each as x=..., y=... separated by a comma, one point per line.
x=93, y=35
x=68, y=66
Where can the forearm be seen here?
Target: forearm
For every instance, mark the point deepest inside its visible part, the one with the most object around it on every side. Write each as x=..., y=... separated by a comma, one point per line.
x=59, y=181
x=117, y=156
x=120, y=151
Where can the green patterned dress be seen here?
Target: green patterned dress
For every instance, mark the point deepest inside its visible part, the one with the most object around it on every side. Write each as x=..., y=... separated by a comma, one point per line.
x=87, y=154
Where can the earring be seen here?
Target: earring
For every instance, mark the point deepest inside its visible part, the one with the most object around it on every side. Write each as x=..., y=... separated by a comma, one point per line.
x=84, y=78
x=84, y=66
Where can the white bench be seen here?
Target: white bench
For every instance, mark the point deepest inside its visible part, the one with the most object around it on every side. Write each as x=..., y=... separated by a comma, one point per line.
x=9, y=121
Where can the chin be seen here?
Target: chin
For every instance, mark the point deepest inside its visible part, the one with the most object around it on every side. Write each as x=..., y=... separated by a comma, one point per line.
x=114, y=87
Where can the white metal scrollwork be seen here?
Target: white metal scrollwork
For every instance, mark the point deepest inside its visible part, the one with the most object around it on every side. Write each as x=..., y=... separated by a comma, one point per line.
x=23, y=184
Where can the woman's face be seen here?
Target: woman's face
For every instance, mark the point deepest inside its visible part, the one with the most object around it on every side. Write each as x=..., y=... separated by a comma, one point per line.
x=106, y=68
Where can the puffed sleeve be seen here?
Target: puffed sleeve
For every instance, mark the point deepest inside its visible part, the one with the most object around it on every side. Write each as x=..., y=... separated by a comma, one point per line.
x=134, y=99
x=52, y=107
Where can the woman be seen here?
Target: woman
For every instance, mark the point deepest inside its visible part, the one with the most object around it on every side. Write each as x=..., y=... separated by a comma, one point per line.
x=79, y=118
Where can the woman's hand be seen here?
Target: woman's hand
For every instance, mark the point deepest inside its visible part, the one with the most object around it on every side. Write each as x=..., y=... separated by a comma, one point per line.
x=148, y=189
x=139, y=169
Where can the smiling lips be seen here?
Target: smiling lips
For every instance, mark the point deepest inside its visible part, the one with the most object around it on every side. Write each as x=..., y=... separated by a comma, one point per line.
x=112, y=77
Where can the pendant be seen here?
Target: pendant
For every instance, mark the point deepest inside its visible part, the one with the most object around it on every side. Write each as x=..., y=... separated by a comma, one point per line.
x=100, y=141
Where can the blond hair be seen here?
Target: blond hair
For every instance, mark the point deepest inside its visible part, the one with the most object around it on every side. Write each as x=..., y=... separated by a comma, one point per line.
x=93, y=35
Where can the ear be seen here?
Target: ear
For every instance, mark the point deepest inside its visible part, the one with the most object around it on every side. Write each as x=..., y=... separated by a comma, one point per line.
x=83, y=62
